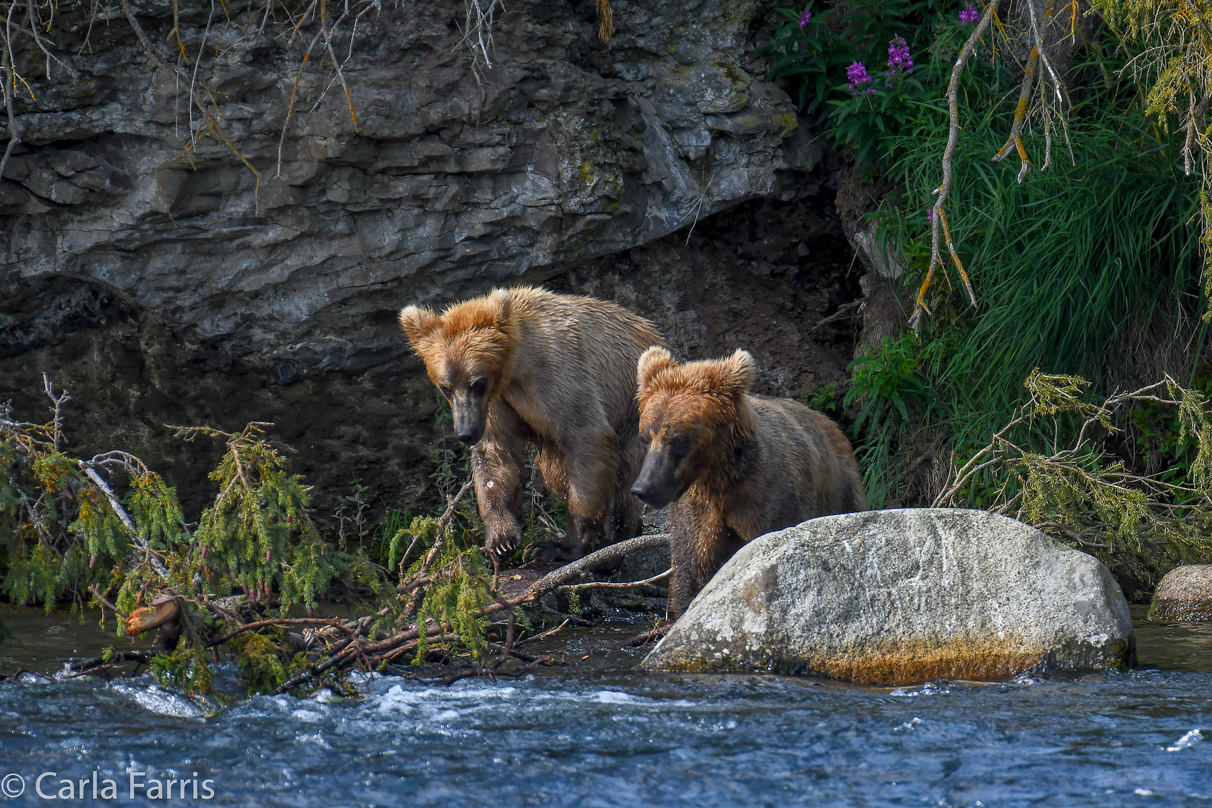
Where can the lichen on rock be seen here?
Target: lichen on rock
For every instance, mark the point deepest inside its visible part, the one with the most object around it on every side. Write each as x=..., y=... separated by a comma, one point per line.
x=901, y=596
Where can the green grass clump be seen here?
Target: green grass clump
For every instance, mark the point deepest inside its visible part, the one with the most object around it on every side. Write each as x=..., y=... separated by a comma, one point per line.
x=1068, y=266
x=1088, y=278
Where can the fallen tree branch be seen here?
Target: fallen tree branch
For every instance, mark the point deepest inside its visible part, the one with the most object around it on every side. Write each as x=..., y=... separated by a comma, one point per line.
x=86, y=666
x=107, y=603
x=418, y=591
x=545, y=634
x=355, y=648
x=281, y=623
x=613, y=552
x=643, y=638
x=613, y=585
x=141, y=543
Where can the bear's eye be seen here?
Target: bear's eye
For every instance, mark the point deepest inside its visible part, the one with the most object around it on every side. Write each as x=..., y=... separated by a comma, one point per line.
x=680, y=445
x=444, y=389
x=645, y=438
x=479, y=387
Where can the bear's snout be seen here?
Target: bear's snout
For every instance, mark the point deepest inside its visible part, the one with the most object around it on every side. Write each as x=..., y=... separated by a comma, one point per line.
x=653, y=493
x=642, y=489
x=469, y=418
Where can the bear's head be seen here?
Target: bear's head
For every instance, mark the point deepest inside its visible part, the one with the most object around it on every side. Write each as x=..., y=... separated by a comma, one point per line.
x=467, y=352
x=689, y=415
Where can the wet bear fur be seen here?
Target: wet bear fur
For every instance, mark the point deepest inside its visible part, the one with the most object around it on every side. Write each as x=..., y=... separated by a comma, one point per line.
x=526, y=368
x=730, y=465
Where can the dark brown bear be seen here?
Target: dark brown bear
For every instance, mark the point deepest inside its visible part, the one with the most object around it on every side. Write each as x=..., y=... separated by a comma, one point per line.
x=525, y=368
x=734, y=466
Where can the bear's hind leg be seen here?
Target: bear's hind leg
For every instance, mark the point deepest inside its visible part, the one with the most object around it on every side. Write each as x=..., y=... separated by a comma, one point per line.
x=592, y=478
x=587, y=485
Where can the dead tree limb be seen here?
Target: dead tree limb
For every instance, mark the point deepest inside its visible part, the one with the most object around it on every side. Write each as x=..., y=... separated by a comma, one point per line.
x=91, y=665
x=280, y=623
x=645, y=637
x=106, y=602
x=944, y=190
x=58, y=401
x=613, y=552
x=8, y=65
x=613, y=585
x=1014, y=139
x=356, y=648
x=545, y=634
x=149, y=554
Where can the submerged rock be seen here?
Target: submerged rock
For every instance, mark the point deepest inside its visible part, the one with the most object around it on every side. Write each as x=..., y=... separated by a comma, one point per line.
x=1184, y=594
x=901, y=596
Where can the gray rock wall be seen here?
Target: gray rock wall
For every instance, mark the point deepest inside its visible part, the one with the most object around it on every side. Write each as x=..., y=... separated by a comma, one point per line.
x=456, y=178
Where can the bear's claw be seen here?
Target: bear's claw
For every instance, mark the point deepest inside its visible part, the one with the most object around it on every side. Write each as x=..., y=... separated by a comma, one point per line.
x=502, y=548
x=549, y=552
x=540, y=552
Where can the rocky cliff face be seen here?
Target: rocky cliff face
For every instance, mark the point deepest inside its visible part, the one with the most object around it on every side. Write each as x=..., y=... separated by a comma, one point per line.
x=251, y=275
x=455, y=178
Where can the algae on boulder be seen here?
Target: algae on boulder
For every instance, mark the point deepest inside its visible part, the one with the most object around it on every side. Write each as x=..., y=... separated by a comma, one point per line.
x=900, y=596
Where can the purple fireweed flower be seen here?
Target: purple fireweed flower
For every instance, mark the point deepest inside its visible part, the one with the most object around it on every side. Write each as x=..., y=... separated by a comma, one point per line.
x=898, y=56
x=969, y=15
x=804, y=18
x=930, y=215
x=857, y=74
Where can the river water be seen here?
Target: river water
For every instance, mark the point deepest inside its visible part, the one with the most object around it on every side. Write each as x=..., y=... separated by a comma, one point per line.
x=597, y=733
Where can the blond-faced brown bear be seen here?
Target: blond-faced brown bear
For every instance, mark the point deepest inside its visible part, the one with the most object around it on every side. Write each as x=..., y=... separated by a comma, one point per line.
x=732, y=466
x=526, y=368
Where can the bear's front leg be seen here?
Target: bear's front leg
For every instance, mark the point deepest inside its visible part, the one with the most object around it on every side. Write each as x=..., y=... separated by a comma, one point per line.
x=683, y=585
x=498, y=467
x=699, y=544
x=627, y=522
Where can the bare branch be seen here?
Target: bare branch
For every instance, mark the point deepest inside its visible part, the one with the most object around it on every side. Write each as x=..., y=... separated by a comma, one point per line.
x=8, y=66
x=152, y=557
x=418, y=593
x=606, y=555
x=58, y=401
x=944, y=190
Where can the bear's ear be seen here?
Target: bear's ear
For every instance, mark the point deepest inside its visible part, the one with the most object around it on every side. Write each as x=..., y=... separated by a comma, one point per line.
x=500, y=305
x=737, y=372
x=652, y=361
x=417, y=322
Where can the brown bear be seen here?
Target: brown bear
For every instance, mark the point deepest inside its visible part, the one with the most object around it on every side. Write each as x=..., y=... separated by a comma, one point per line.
x=526, y=368
x=734, y=466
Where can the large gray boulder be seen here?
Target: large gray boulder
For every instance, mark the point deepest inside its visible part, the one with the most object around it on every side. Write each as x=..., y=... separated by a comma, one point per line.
x=1184, y=594
x=901, y=596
